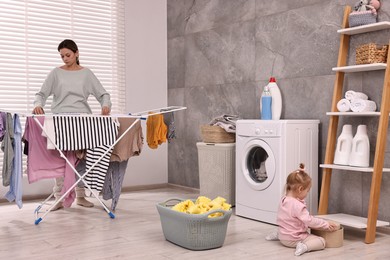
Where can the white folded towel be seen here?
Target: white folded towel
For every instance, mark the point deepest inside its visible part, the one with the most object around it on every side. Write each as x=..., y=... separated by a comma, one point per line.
x=344, y=105
x=361, y=105
x=350, y=94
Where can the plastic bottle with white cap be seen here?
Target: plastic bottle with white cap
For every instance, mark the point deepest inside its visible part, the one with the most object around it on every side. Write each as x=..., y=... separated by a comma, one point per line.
x=276, y=99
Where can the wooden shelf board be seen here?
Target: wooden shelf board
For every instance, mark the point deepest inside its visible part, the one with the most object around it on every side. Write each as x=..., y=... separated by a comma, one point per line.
x=351, y=168
x=352, y=221
x=360, y=68
x=353, y=113
x=365, y=28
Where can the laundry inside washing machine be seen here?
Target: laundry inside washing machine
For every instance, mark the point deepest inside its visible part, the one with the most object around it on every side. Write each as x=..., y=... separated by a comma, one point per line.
x=256, y=164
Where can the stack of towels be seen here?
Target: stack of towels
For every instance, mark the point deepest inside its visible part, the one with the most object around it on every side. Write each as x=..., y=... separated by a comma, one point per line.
x=356, y=102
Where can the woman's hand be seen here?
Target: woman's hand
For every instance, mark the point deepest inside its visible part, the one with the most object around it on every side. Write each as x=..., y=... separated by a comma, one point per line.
x=38, y=111
x=105, y=111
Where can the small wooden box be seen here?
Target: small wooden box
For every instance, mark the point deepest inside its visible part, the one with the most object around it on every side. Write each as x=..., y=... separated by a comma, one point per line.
x=332, y=238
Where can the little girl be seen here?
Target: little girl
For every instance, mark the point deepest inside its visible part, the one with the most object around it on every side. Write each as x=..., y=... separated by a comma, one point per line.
x=294, y=219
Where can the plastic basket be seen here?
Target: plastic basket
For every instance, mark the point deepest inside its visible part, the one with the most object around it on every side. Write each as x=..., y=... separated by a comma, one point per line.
x=361, y=18
x=216, y=134
x=217, y=172
x=193, y=231
x=371, y=53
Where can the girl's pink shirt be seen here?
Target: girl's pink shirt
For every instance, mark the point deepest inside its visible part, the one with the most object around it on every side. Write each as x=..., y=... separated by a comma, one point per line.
x=294, y=220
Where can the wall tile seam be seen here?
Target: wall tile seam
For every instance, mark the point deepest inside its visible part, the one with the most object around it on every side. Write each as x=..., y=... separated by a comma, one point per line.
x=295, y=78
x=219, y=84
x=210, y=29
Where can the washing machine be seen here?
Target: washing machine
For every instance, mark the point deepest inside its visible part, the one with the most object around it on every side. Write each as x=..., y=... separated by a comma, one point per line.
x=266, y=152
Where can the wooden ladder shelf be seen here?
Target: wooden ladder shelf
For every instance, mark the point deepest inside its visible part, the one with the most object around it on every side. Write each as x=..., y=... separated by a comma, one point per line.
x=381, y=140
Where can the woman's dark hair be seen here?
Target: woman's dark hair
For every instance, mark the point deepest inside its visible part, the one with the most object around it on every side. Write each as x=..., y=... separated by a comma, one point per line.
x=71, y=45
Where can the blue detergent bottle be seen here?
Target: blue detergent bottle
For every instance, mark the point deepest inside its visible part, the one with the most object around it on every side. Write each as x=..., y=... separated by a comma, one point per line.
x=266, y=104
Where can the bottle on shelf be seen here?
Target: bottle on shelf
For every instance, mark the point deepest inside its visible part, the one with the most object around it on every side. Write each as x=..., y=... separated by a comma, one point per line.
x=276, y=99
x=360, y=155
x=266, y=104
x=344, y=146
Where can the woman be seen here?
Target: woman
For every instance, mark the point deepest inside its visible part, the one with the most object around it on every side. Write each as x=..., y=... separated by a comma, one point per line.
x=71, y=85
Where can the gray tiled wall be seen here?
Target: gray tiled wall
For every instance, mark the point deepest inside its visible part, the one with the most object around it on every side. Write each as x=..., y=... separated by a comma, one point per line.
x=221, y=54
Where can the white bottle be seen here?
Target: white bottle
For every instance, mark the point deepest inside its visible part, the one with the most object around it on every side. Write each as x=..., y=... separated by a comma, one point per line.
x=360, y=155
x=276, y=99
x=344, y=146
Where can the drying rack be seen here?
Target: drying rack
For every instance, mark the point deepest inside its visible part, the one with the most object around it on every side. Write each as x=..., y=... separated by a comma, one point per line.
x=143, y=115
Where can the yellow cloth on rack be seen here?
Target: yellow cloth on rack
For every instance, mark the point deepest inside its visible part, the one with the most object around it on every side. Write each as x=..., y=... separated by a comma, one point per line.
x=156, y=130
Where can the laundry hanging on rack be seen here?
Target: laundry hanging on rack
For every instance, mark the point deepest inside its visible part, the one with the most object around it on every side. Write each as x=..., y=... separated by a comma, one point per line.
x=15, y=188
x=130, y=145
x=156, y=130
x=7, y=147
x=96, y=134
x=169, y=121
x=43, y=163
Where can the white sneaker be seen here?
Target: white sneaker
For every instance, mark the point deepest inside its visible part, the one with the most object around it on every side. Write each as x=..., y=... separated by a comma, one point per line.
x=300, y=249
x=273, y=236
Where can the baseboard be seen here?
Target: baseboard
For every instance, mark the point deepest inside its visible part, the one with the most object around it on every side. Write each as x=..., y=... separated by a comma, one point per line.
x=42, y=197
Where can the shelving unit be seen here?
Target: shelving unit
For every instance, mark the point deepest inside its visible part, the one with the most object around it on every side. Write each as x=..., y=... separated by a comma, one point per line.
x=370, y=223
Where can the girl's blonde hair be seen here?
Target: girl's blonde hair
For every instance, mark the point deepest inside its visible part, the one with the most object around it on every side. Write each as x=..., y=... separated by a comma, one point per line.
x=298, y=178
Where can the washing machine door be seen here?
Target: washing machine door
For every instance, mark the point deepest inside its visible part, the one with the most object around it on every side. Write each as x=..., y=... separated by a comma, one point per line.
x=258, y=164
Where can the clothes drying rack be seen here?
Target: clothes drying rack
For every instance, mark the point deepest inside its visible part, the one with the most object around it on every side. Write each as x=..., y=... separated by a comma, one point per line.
x=143, y=115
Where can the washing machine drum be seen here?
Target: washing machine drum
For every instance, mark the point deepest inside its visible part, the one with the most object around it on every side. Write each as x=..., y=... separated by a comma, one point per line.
x=259, y=164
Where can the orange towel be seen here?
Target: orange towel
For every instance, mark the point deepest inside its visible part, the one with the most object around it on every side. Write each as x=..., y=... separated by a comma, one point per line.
x=156, y=131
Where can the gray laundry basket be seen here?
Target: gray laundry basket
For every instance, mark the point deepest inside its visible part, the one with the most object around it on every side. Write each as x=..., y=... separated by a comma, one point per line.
x=193, y=231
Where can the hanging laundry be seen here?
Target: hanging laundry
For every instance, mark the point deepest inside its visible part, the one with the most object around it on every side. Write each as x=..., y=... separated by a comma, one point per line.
x=169, y=120
x=15, y=188
x=156, y=130
x=7, y=148
x=131, y=144
x=47, y=164
x=96, y=134
x=113, y=183
x=3, y=118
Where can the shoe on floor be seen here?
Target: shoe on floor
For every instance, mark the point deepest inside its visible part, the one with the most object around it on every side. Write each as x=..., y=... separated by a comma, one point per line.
x=273, y=236
x=57, y=206
x=83, y=202
x=300, y=249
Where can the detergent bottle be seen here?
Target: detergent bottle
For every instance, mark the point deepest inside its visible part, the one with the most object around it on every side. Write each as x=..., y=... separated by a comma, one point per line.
x=266, y=104
x=344, y=146
x=276, y=99
x=360, y=154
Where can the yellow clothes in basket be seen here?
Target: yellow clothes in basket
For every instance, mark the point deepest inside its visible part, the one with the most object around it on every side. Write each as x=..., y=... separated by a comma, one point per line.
x=156, y=131
x=202, y=205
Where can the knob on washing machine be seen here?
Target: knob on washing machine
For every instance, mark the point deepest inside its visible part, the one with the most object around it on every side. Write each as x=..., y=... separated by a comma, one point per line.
x=257, y=131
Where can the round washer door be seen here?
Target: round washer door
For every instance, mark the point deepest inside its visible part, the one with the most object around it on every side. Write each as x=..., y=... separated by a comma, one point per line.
x=258, y=164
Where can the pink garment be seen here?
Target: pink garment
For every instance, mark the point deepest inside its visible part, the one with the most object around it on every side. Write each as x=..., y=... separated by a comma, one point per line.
x=294, y=220
x=44, y=164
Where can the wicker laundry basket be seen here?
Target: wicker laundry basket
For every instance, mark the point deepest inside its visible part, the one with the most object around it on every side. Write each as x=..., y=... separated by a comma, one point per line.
x=371, y=53
x=216, y=134
x=193, y=231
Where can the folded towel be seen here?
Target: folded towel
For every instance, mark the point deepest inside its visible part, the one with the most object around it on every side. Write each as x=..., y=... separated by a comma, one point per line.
x=227, y=122
x=344, y=105
x=350, y=94
x=361, y=105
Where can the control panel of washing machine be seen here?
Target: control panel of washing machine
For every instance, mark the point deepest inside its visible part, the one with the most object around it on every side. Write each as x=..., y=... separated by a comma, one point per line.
x=269, y=130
